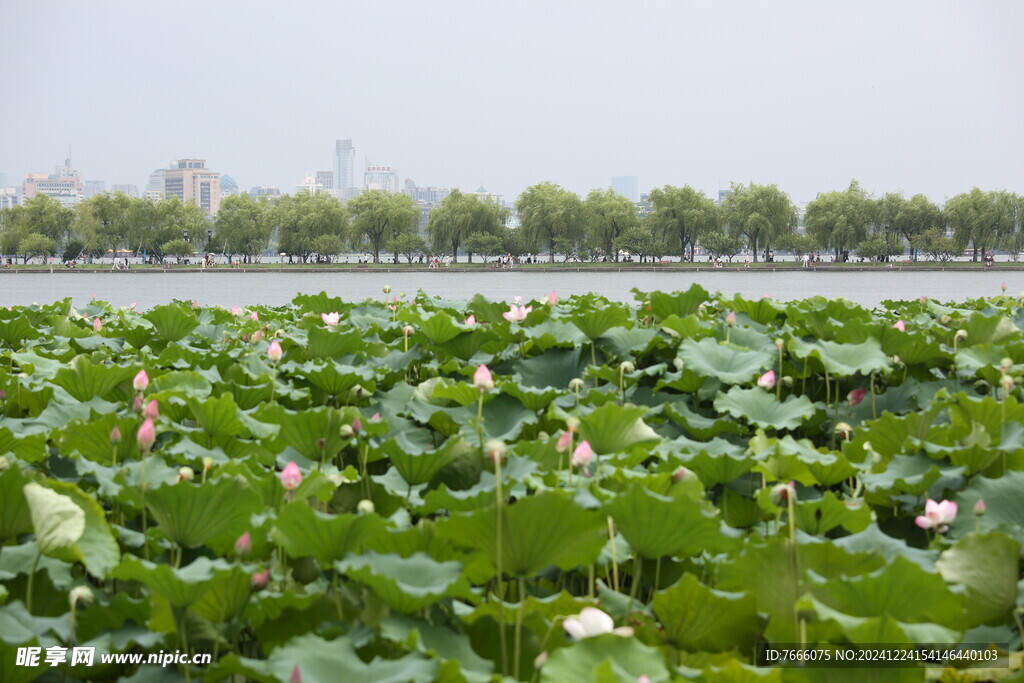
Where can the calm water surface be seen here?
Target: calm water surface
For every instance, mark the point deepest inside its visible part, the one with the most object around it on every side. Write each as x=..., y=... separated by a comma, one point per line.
x=227, y=289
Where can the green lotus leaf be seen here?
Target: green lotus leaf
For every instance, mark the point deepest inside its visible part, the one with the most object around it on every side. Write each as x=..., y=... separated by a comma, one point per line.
x=761, y=408
x=172, y=322
x=682, y=304
x=85, y=380
x=226, y=599
x=419, y=466
x=532, y=398
x=406, y=584
x=844, y=360
x=537, y=532
x=15, y=330
x=605, y=658
x=987, y=565
x=57, y=521
x=441, y=643
x=727, y=363
x=699, y=426
x=180, y=587
x=188, y=383
x=873, y=629
x=439, y=328
x=313, y=432
x=214, y=512
x=818, y=517
x=551, y=333
x=27, y=447
x=626, y=342
x=983, y=328
x=319, y=303
x=761, y=311
x=304, y=532
x=695, y=617
x=613, y=428
x=1003, y=501
x=593, y=322
x=686, y=529
x=553, y=368
x=913, y=474
x=337, y=378
x=218, y=417
x=15, y=516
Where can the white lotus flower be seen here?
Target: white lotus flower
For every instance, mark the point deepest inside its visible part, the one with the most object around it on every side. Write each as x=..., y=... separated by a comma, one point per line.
x=592, y=622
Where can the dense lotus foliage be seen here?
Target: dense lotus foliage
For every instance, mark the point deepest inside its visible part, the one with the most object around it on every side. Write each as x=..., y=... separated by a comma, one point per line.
x=413, y=489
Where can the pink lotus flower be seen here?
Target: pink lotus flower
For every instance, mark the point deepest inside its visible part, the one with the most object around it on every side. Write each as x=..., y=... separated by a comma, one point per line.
x=937, y=516
x=296, y=675
x=256, y=337
x=564, y=441
x=551, y=299
x=152, y=410
x=243, y=545
x=291, y=476
x=471, y=319
x=856, y=396
x=516, y=314
x=767, y=380
x=923, y=299
x=236, y=310
x=730, y=319
x=375, y=418
x=482, y=379
x=331, y=319
x=259, y=580
x=254, y=316
x=141, y=381
x=582, y=456
x=900, y=325
x=592, y=622
x=133, y=304
x=97, y=324
x=146, y=436
x=1004, y=287
x=274, y=351
x=518, y=300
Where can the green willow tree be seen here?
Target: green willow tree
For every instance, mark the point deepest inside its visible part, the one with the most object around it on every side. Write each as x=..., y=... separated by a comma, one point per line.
x=460, y=215
x=980, y=220
x=243, y=226
x=904, y=219
x=761, y=214
x=380, y=217
x=608, y=215
x=681, y=214
x=840, y=220
x=45, y=216
x=548, y=213
x=303, y=217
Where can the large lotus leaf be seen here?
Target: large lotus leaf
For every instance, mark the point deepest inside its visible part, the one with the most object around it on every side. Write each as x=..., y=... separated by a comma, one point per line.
x=552, y=333
x=789, y=458
x=334, y=344
x=605, y=658
x=226, y=598
x=171, y=321
x=716, y=462
x=683, y=527
x=625, y=342
x=699, y=426
x=187, y=383
x=1003, y=501
x=438, y=642
x=57, y=521
x=406, y=584
x=818, y=517
x=15, y=330
x=878, y=544
x=15, y=517
x=844, y=360
x=319, y=303
x=983, y=328
x=613, y=428
x=987, y=564
x=913, y=474
x=218, y=416
x=304, y=532
x=96, y=547
x=336, y=378
x=871, y=629
x=532, y=398
x=594, y=322
x=85, y=380
x=695, y=617
x=734, y=671
x=553, y=368
x=214, y=512
x=537, y=532
x=725, y=362
x=313, y=432
x=761, y=408
x=329, y=661
x=682, y=304
x=33, y=364
x=418, y=466
x=27, y=447
x=439, y=328
x=767, y=573
x=180, y=587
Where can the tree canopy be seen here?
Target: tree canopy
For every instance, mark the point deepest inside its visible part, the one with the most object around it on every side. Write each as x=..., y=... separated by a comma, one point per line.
x=681, y=214
x=760, y=213
x=547, y=212
x=840, y=220
x=607, y=215
x=379, y=217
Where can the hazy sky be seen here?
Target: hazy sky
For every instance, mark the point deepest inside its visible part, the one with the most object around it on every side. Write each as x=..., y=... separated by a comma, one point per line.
x=919, y=96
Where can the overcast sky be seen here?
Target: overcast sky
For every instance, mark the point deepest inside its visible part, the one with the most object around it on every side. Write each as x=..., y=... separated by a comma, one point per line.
x=914, y=96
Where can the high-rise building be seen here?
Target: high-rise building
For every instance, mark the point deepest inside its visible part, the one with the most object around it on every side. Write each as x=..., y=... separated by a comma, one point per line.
x=228, y=186
x=325, y=179
x=627, y=186
x=93, y=188
x=191, y=181
x=65, y=185
x=378, y=177
x=483, y=195
x=8, y=197
x=723, y=195
x=125, y=188
x=430, y=195
x=264, y=191
x=309, y=185
x=344, y=179
x=156, y=182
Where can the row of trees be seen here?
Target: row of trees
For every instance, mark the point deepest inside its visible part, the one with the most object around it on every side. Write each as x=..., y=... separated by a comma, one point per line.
x=676, y=220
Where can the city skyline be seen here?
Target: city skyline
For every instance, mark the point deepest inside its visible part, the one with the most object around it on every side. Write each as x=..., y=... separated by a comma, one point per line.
x=799, y=94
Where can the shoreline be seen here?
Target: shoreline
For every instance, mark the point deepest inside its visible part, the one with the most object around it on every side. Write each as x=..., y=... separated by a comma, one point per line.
x=529, y=269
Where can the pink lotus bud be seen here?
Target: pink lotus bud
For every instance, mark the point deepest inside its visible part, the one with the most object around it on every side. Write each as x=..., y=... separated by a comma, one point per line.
x=256, y=337
x=551, y=299
x=1004, y=287
x=141, y=381
x=471, y=320
x=730, y=319
x=900, y=325
x=980, y=508
x=357, y=425
x=152, y=410
x=236, y=310
x=767, y=380
x=137, y=404
x=923, y=299
x=274, y=351
x=564, y=441
x=133, y=304
x=243, y=545
x=146, y=436
x=683, y=473
x=115, y=435
x=254, y=316
x=296, y=675
x=856, y=396
x=482, y=379
x=331, y=319
x=291, y=476
x=582, y=456
x=375, y=418
x=260, y=579
x=97, y=324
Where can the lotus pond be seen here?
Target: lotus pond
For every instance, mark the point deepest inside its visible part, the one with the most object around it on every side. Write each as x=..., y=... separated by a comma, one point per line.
x=413, y=489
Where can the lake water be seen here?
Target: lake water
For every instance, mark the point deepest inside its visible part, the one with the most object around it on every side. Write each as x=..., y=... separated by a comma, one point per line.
x=277, y=288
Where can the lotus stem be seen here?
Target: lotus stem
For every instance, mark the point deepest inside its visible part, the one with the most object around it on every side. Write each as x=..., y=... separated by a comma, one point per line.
x=778, y=383
x=874, y=412
x=31, y=581
x=615, y=554
x=499, y=500
x=638, y=569
x=519, y=628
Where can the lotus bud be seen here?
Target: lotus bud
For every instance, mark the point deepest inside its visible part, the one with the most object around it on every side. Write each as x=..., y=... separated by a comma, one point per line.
x=366, y=507
x=387, y=289
x=141, y=381
x=146, y=436
x=779, y=343
x=627, y=367
x=296, y=676
x=256, y=337
x=243, y=545
x=517, y=300
x=644, y=678
x=236, y=310
x=347, y=432
x=97, y=325
x=115, y=435
x=1005, y=365
x=767, y=380
x=482, y=379
x=1007, y=383
x=900, y=325
x=186, y=474
x=80, y=595
x=321, y=443
x=152, y=410
x=572, y=423
x=856, y=396
x=844, y=429
x=259, y=580
x=980, y=508
x=683, y=474
x=471, y=319
x=274, y=351
x=923, y=299
x=961, y=334
x=582, y=456
x=551, y=299
x=495, y=449
x=291, y=476
x=137, y=404
x=782, y=493
x=564, y=441
x=408, y=330
x=540, y=660
x=1003, y=287
x=207, y=463
x=375, y=418
x=254, y=316
x=945, y=319
x=576, y=385
x=730, y=319
x=896, y=360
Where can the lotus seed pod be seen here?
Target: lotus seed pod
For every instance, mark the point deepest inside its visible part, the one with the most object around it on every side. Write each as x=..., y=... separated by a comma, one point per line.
x=495, y=449
x=347, y=431
x=627, y=366
x=80, y=594
x=572, y=423
x=186, y=474
x=576, y=384
x=365, y=506
x=387, y=289
x=782, y=493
